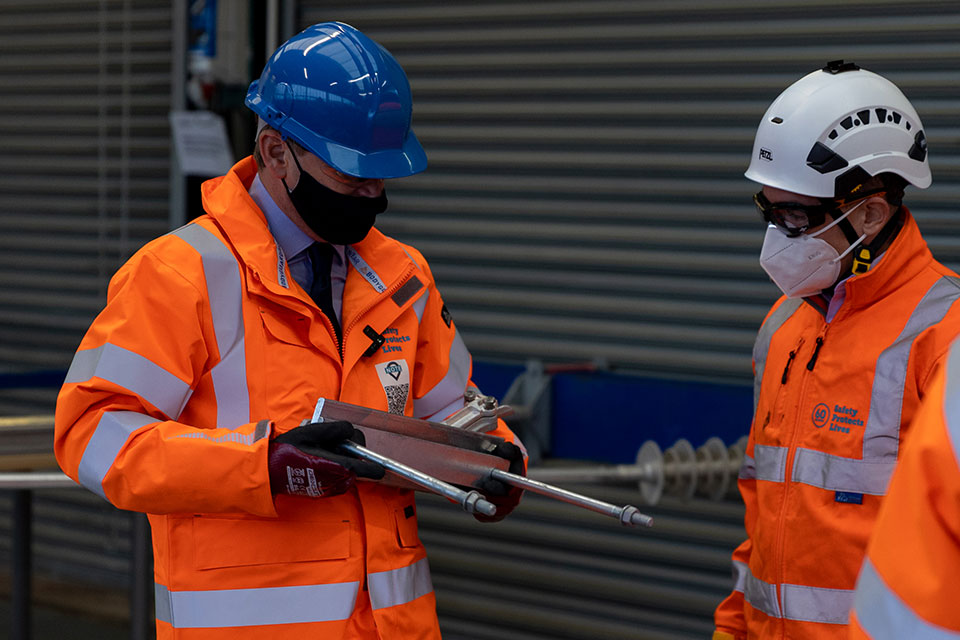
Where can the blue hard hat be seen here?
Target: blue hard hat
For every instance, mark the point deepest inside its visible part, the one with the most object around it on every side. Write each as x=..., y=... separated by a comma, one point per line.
x=344, y=98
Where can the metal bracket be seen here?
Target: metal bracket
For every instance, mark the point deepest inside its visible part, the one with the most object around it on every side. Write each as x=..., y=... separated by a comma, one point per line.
x=479, y=414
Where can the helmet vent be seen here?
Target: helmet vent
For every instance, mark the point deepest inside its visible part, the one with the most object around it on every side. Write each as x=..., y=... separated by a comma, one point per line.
x=822, y=159
x=776, y=120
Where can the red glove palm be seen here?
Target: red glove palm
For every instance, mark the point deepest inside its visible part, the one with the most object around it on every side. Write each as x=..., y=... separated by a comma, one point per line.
x=302, y=462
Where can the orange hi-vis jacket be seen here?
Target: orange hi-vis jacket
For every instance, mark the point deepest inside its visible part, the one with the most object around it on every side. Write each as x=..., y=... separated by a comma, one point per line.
x=206, y=348
x=830, y=402
x=910, y=581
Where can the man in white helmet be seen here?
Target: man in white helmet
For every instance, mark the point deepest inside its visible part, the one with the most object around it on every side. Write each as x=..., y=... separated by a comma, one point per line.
x=843, y=359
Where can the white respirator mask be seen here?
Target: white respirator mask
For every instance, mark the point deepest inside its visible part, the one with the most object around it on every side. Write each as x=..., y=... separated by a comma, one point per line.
x=805, y=265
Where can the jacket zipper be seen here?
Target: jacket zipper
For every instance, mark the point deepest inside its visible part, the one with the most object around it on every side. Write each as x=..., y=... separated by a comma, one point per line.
x=786, y=369
x=389, y=292
x=788, y=465
x=816, y=352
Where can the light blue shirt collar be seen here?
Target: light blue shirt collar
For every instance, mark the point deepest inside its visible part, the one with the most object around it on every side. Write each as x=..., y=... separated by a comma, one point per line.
x=290, y=238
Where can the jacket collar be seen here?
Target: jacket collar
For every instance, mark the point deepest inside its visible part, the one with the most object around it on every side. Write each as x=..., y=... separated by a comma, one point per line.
x=378, y=260
x=906, y=257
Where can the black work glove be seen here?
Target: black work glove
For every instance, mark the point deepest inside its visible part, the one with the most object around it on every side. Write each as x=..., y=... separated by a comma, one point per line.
x=504, y=497
x=302, y=461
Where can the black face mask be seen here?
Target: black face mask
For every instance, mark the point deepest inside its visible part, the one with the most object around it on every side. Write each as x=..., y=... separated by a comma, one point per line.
x=335, y=217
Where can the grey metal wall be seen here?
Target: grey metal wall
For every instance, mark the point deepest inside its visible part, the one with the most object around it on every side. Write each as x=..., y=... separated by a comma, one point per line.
x=84, y=168
x=585, y=198
x=551, y=572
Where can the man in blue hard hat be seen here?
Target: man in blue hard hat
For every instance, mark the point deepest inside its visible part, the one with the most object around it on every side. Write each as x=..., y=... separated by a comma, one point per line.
x=188, y=395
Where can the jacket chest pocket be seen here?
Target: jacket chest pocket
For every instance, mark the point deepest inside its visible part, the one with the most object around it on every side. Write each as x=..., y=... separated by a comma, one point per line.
x=294, y=371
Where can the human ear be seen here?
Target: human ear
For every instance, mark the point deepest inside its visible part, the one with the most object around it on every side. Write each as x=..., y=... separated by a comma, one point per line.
x=877, y=211
x=273, y=151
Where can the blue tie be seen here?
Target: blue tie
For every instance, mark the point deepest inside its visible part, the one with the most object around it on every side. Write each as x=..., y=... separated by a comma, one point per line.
x=321, y=260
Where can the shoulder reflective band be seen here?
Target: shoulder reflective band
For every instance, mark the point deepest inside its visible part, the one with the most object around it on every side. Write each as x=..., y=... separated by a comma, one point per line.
x=133, y=372
x=884, y=616
x=449, y=389
x=421, y=304
x=881, y=435
x=225, y=294
x=951, y=400
x=762, y=344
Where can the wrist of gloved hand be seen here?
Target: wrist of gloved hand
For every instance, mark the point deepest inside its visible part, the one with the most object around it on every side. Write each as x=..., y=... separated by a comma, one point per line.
x=503, y=496
x=304, y=461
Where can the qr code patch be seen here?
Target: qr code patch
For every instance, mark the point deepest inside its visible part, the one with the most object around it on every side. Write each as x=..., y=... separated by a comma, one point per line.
x=396, y=397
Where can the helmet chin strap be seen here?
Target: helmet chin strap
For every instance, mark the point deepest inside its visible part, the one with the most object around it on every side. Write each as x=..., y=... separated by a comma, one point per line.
x=866, y=253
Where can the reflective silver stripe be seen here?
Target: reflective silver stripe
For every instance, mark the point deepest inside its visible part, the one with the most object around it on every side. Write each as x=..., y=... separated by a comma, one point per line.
x=108, y=438
x=771, y=462
x=748, y=470
x=421, y=304
x=884, y=616
x=842, y=474
x=225, y=293
x=133, y=372
x=740, y=572
x=364, y=269
x=881, y=436
x=951, y=400
x=762, y=344
x=399, y=586
x=411, y=258
x=811, y=604
x=451, y=387
x=252, y=607
x=761, y=595
x=816, y=604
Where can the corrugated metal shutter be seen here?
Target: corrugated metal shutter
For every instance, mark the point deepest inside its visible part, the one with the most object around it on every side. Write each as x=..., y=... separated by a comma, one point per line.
x=585, y=196
x=552, y=571
x=84, y=174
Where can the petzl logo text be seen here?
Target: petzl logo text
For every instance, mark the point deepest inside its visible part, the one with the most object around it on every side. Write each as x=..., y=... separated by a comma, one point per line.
x=821, y=415
x=766, y=154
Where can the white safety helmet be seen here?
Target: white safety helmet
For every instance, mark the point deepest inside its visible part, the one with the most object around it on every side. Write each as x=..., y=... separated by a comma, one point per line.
x=834, y=128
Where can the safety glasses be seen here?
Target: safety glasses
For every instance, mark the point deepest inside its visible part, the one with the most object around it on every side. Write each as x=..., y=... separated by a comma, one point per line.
x=794, y=218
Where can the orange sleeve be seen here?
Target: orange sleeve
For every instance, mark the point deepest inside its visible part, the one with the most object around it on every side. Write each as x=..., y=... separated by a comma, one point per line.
x=117, y=430
x=911, y=576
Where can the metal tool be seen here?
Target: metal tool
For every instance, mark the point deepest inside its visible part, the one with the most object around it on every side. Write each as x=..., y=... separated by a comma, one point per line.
x=628, y=515
x=471, y=501
x=429, y=456
x=447, y=453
